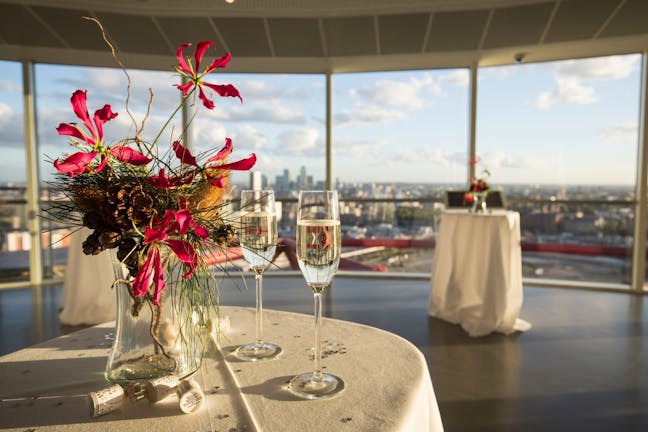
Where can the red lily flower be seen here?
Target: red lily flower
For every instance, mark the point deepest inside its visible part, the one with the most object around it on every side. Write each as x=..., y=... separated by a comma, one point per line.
x=94, y=127
x=195, y=77
x=81, y=162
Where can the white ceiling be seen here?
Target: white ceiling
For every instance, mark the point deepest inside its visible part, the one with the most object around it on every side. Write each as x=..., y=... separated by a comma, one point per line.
x=323, y=35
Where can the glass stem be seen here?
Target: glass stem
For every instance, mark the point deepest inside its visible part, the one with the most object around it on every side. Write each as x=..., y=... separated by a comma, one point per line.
x=259, y=307
x=317, y=371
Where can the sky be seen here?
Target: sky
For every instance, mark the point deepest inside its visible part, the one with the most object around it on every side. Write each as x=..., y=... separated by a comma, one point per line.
x=543, y=123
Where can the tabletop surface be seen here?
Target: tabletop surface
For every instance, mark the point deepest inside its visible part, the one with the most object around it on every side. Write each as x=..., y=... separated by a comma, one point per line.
x=388, y=385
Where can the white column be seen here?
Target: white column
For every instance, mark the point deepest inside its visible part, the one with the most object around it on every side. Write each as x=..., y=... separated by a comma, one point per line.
x=31, y=165
x=639, y=244
x=329, y=145
x=472, y=120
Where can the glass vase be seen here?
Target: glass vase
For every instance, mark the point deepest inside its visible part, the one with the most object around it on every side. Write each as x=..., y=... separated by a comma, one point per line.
x=479, y=202
x=153, y=341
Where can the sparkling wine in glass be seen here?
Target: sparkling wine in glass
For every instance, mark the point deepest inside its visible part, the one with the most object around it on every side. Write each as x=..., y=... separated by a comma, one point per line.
x=258, y=238
x=319, y=240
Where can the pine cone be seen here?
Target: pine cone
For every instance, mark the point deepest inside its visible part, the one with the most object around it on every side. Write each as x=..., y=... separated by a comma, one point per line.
x=128, y=205
x=93, y=220
x=110, y=239
x=91, y=245
x=88, y=197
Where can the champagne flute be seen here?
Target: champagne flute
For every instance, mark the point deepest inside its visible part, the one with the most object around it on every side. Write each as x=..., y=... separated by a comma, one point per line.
x=319, y=240
x=258, y=238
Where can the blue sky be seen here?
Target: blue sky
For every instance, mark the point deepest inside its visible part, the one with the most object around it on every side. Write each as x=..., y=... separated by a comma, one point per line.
x=555, y=122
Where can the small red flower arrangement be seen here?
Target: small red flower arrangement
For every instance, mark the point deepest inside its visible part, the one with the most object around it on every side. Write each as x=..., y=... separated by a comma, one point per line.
x=477, y=184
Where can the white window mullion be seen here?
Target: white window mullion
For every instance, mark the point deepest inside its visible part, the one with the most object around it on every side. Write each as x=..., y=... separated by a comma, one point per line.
x=31, y=165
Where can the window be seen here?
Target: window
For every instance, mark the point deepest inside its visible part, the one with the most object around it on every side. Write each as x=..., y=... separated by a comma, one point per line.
x=398, y=136
x=560, y=138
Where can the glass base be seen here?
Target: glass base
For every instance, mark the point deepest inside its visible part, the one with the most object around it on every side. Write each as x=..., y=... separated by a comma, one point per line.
x=316, y=386
x=257, y=351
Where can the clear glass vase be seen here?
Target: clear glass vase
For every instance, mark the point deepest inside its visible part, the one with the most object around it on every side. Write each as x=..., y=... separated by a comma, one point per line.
x=479, y=202
x=153, y=341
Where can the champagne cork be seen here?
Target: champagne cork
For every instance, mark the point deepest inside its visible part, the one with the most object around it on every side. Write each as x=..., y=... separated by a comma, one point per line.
x=159, y=388
x=106, y=400
x=191, y=396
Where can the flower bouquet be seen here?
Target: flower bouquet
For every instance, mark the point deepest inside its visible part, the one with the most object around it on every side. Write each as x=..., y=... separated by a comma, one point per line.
x=161, y=212
x=478, y=190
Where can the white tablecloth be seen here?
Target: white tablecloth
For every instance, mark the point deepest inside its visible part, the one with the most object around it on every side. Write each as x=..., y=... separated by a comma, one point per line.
x=477, y=272
x=87, y=297
x=388, y=387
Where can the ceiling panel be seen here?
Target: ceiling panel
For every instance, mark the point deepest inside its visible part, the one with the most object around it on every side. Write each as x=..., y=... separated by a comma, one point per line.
x=519, y=25
x=402, y=33
x=19, y=27
x=579, y=19
x=453, y=31
x=350, y=36
x=245, y=37
x=134, y=33
x=181, y=30
x=632, y=18
x=296, y=37
x=68, y=23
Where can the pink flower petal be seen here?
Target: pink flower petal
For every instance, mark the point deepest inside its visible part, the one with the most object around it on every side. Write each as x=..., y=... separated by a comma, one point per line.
x=75, y=164
x=222, y=153
x=201, y=47
x=184, y=154
x=205, y=100
x=144, y=276
x=102, y=116
x=224, y=90
x=80, y=108
x=129, y=155
x=240, y=165
x=220, y=62
x=71, y=130
x=182, y=64
x=185, y=253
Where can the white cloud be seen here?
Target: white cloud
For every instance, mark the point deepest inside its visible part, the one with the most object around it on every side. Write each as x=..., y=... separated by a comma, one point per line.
x=570, y=76
x=498, y=159
x=409, y=94
x=622, y=132
x=433, y=156
x=569, y=90
x=267, y=113
x=10, y=127
x=304, y=141
x=248, y=138
x=460, y=78
x=613, y=67
x=370, y=114
x=9, y=86
x=360, y=148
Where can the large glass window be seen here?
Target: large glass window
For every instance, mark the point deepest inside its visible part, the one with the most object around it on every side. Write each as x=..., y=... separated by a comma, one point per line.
x=560, y=138
x=14, y=237
x=401, y=137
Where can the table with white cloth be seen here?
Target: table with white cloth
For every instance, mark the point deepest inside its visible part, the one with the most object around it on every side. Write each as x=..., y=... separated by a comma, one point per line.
x=477, y=272
x=388, y=386
x=87, y=297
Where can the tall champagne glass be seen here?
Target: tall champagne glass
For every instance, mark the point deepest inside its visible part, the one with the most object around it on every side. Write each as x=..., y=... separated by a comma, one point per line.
x=258, y=237
x=318, y=253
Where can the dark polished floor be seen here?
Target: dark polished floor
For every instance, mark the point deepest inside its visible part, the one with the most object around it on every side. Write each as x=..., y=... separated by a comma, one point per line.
x=582, y=367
